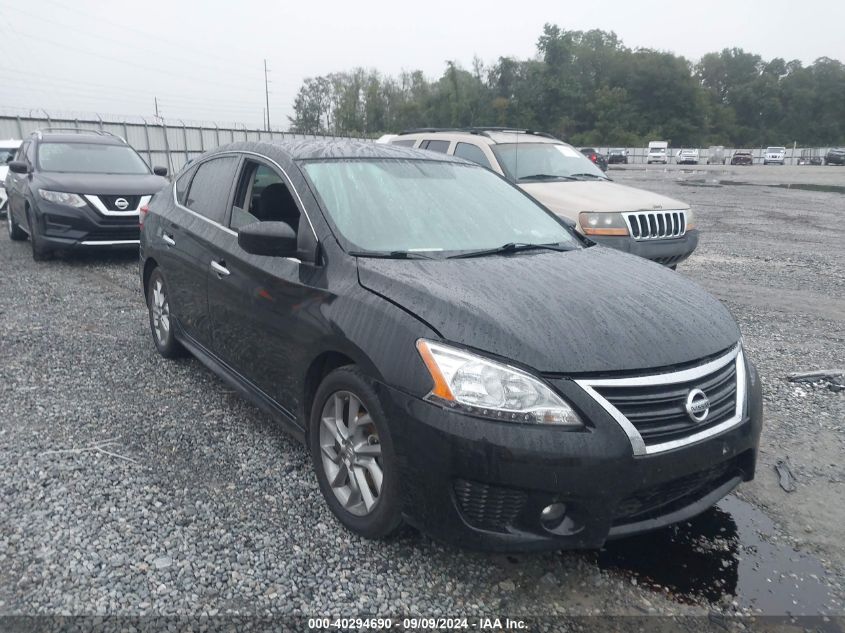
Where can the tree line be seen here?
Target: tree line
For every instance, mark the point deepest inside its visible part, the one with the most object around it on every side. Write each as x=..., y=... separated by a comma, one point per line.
x=588, y=88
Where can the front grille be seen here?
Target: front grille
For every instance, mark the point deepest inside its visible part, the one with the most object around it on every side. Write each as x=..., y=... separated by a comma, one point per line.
x=109, y=202
x=115, y=235
x=489, y=507
x=673, y=495
x=658, y=411
x=656, y=225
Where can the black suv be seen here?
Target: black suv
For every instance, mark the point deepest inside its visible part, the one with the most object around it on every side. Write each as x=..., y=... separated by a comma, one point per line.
x=452, y=353
x=71, y=188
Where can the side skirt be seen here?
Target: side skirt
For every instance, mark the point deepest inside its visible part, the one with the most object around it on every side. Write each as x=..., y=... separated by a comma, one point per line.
x=244, y=387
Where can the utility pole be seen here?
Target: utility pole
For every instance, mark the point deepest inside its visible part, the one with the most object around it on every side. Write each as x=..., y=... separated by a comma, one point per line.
x=156, y=102
x=266, y=95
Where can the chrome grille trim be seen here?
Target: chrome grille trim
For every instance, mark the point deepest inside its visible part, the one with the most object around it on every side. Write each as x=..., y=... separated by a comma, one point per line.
x=637, y=443
x=656, y=225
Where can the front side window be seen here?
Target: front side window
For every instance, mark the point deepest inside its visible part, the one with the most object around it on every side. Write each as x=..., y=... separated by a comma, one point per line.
x=473, y=153
x=428, y=207
x=263, y=196
x=7, y=154
x=210, y=187
x=524, y=162
x=90, y=158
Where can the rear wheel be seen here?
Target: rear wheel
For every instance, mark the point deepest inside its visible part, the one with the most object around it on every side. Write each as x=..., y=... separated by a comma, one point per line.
x=16, y=233
x=353, y=456
x=161, y=322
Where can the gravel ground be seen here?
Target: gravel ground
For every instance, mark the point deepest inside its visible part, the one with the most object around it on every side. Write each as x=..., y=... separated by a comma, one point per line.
x=132, y=485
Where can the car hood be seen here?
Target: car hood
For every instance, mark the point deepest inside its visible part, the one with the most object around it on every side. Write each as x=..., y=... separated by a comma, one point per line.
x=569, y=198
x=591, y=310
x=110, y=184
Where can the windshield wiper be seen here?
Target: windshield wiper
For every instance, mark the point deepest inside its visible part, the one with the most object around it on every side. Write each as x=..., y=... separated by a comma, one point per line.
x=577, y=176
x=390, y=254
x=511, y=247
x=545, y=177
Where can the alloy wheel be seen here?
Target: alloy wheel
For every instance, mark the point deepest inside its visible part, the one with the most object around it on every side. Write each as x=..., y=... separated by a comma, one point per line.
x=160, y=310
x=351, y=453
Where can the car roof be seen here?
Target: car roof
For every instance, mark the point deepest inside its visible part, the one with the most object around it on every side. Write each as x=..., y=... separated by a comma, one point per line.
x=313, y=149
x=80, y=138
x=488, y=136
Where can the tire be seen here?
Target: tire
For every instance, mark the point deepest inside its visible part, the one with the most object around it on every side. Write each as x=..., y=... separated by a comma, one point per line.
x=40, y=252
x=16, y=233
x=366, y=450
x=161, y=323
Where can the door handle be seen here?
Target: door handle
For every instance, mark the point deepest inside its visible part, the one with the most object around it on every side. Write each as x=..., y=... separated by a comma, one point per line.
x=220, y=269
x=168, y=240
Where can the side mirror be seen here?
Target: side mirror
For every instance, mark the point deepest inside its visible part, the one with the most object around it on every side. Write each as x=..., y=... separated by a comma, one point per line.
x=19, y=167
x=275, y=239
x=160, y=171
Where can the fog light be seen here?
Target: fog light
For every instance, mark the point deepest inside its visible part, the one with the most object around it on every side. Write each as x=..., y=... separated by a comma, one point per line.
x=552, y=515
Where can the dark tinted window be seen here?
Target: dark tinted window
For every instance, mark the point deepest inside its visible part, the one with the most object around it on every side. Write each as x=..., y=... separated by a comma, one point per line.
x=435, y=146
x=210, y=187
x=181, y=185
x=406, y=142
x=473, y=153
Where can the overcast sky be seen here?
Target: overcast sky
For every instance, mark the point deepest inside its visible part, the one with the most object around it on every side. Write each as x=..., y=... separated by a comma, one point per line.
x=204, y=60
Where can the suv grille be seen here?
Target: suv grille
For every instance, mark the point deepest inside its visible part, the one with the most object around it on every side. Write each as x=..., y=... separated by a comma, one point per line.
x=656, y=225
x=658, y=412
x=489, y=507
x=109, y=202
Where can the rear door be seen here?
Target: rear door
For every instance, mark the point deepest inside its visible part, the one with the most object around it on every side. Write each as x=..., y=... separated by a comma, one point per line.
x=260, y=305
x=190, y=234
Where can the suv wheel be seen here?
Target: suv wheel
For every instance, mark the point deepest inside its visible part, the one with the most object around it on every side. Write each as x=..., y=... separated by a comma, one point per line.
x=161, y=323
x=16, y=233
x=353, y=454
x=40, y=252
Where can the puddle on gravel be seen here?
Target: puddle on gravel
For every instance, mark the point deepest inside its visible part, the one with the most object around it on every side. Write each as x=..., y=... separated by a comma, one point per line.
x=727, y=551
x=714, y=182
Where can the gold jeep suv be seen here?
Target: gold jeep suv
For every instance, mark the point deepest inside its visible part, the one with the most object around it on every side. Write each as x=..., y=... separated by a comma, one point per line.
x=564, y=180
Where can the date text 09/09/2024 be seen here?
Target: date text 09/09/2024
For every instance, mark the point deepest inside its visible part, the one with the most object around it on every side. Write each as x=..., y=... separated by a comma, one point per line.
x=418, y=623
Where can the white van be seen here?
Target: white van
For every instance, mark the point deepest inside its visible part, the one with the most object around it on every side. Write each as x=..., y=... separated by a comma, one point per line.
x=658, y=152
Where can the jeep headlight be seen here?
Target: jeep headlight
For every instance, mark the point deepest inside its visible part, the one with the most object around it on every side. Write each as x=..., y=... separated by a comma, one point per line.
x=602, y=223
x=479, y=386
x=60, y=197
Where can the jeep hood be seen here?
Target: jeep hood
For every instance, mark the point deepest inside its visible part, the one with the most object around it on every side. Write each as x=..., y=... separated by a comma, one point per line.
x=590, y=310
x=109, y=184
x=569, y=198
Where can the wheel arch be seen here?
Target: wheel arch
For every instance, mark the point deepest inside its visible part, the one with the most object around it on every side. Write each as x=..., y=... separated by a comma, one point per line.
x=322, y=365
x=149, y=266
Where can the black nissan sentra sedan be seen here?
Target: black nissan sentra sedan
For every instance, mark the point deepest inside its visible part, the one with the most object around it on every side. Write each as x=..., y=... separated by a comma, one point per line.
x=452, y=354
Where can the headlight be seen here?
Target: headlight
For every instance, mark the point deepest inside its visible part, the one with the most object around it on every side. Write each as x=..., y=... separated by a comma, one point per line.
x=483, y=387
x=690, y=219
x=602, y=223
x=59, y=197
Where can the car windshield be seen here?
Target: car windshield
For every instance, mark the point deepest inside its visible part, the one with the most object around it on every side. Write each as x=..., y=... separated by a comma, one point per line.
x=617, y=151
x=435, y=208
x=90, y=158
x=776, y=150
x=7, y=154
x=547, y=161
x=657, y=150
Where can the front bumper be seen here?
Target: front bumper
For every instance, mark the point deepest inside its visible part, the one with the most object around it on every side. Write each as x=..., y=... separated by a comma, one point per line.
x=460, y=475
x=668, y=252
x=67, y=228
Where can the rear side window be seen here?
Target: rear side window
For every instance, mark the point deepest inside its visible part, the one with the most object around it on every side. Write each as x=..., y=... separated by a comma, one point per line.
x=435, y=146
x=473, y=153
x=405, y=142
x=210, y=187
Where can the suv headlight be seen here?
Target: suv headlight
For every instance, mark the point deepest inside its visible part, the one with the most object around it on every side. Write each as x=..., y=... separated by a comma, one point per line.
x=60, y=197
x=476, y=385
x=690, y=219
x=602, y=223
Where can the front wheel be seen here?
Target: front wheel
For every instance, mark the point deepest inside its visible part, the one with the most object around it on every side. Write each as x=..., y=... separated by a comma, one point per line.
x=16, y=233
x=353, y=455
